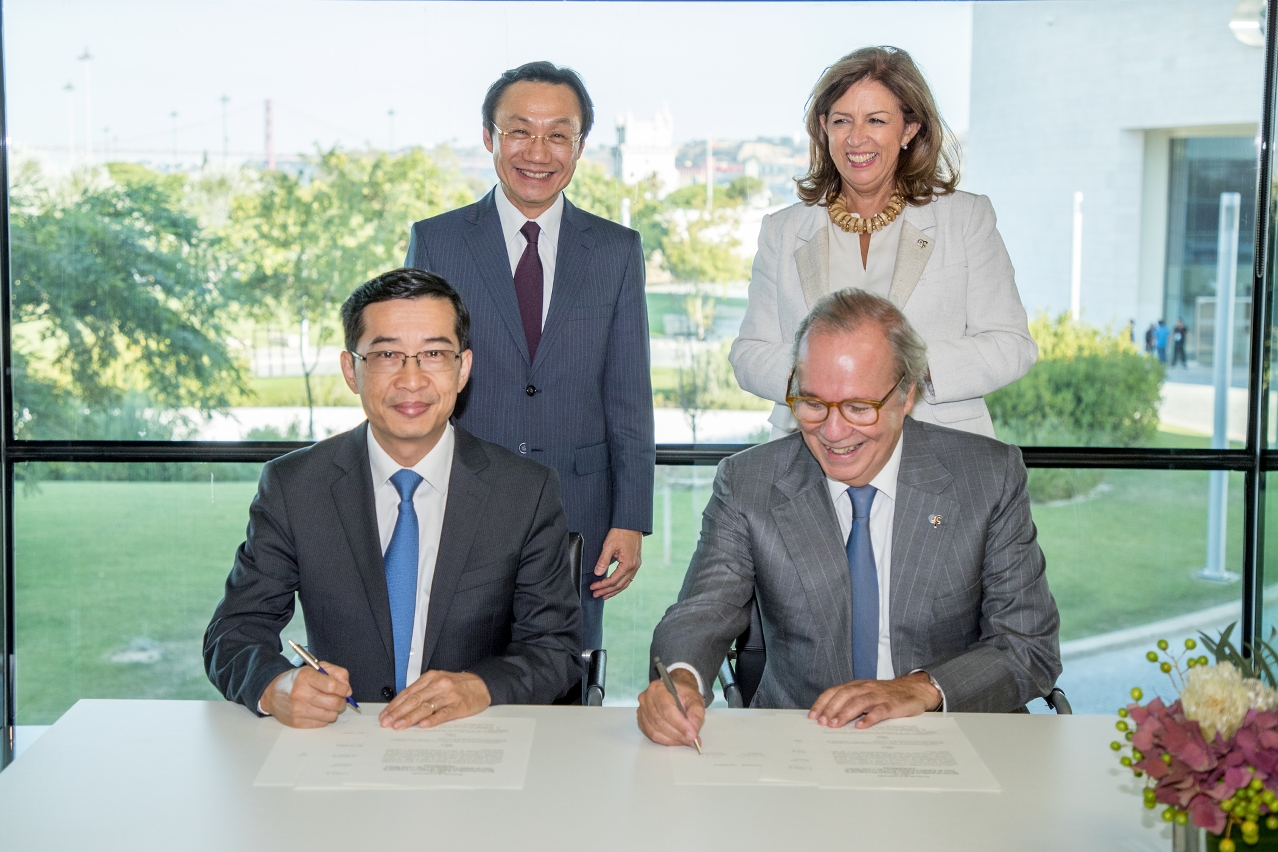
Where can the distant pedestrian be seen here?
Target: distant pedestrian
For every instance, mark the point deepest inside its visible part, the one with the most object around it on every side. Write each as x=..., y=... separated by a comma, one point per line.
x=1149, y=340
x=1160, y=340
x=1178, y=343
x=1131, y=331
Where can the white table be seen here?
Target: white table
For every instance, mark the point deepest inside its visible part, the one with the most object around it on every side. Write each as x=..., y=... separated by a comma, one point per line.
x=178, y=775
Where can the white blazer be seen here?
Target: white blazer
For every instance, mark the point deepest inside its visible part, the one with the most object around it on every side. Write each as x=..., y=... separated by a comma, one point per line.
x=953, y=280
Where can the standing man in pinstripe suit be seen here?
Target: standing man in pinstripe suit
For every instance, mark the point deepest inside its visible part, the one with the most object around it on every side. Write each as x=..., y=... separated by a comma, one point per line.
x=895, y=562
x=560, y=324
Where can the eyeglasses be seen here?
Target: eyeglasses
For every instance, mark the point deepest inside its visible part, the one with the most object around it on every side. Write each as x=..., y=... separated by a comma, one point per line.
x=518, y=139
x=390, y=361
x=858, y=412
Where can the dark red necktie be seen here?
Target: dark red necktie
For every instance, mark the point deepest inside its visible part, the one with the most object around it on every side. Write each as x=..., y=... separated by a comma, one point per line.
x=529, y=283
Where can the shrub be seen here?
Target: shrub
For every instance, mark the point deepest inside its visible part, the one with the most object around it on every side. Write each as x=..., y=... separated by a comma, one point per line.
x=1090, y=387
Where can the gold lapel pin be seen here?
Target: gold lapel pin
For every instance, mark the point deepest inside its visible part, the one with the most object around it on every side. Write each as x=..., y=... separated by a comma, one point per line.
x=922, y=243
x=935, y=520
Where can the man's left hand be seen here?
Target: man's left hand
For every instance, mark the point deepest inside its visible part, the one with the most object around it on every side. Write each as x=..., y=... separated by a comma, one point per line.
x=622, y=547
x=436, y=697
x=872, y=701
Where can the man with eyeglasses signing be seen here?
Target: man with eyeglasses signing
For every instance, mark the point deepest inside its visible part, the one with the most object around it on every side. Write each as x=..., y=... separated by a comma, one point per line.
x=432, y=567
x=894, y=562
x=561, y=325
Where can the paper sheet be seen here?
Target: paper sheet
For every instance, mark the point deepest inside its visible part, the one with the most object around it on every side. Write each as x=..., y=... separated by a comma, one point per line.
x=356, y=752
x=920, y=753
x=734, y=750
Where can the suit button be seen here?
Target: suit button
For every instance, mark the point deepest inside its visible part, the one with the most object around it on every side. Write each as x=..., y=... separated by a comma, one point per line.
x=387, y=693
x=523, y=449
x=530, y=390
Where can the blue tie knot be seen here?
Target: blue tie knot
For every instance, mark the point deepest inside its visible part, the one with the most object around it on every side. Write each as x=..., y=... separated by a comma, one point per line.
x=862, y=498
x=406, y=482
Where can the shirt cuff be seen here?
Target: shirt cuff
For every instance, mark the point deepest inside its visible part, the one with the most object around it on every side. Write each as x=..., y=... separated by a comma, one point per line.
x=944, y=708
x=701, y=685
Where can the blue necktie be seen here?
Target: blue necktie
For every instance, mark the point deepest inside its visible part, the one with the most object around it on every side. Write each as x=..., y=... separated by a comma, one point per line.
x=401, y=573
x=865, y=587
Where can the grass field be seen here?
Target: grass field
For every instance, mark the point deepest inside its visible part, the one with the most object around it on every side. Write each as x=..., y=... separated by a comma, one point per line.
x=116, y=580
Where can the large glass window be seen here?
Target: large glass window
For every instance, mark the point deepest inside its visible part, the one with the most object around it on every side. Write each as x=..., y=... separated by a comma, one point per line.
x=193, y=189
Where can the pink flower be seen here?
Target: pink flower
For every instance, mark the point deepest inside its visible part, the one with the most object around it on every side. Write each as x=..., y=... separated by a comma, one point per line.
x=1206, y=813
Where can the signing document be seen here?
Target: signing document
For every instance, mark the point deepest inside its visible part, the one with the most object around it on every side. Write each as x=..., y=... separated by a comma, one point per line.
x=481, y=752
x=918, y=753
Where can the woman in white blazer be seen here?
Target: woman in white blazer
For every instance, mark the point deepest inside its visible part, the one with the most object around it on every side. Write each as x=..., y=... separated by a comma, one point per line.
x=880, y=211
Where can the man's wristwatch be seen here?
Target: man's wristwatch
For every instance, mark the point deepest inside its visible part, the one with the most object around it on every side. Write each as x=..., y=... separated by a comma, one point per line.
x=940, y=703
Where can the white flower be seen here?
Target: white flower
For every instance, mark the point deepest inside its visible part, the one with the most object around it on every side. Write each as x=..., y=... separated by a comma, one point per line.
x=1218, y=698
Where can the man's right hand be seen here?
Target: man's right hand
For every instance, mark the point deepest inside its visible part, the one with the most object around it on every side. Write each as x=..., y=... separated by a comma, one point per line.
x=659, y=716
x=304, y=698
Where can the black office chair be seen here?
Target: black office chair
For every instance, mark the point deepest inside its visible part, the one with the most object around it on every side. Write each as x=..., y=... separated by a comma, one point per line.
x=740, y=682
x=594, y=661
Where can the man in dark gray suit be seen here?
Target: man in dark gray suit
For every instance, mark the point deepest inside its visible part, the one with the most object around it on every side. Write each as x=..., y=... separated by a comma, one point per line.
x=560, y=323
x=432, y=567
x=895, y=563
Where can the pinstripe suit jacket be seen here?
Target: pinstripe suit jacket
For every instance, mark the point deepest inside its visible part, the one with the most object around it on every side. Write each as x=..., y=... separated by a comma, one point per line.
x=969, y=601
x=584, y=406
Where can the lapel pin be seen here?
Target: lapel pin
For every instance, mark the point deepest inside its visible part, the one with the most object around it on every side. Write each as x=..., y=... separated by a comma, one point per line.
x=922, y=243
x=935, y=520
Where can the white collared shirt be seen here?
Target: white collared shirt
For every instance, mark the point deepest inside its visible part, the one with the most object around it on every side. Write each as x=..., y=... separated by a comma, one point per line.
x=547, y=243
x=429, y=500
x=845, y=260
x=881, y=512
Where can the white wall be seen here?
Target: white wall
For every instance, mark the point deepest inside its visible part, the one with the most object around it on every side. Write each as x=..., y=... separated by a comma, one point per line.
x=1062, y=96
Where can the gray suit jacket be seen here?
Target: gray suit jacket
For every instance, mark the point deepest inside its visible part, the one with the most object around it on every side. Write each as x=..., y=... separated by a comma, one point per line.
x=953, y=280
x=968, y=602
x=502, y=603
x=584, y=407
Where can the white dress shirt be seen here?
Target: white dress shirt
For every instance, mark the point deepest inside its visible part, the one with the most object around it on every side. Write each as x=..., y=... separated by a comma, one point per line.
x=429, y=500
x=547, y=243
x=881, y=512
x=845, y=260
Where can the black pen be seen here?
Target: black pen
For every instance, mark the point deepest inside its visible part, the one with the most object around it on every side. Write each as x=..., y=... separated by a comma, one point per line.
x=665, y=678
x=314, y=663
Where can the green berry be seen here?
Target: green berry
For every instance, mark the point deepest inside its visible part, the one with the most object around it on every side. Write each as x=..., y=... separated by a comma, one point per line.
x=1269, y=798
x=1121, y=725
x=1162, y=644
x=1182, y=817
x=1122, y=711
x=1257, y=785
x=1126, y=761
x=1271, y=823
x=1191, y=662
x=1137, y=754
x=1169, y=815
x=1190, y=644
x=1128, y=736
x=1149, y=794
x=1116, y=745
x=1138, y=773
x=1151, y=804
x=1227, y=805
x=1165, y=668
x=1152, y=656
x=1202, y=661
x=1136, y=693
x=1227, y=845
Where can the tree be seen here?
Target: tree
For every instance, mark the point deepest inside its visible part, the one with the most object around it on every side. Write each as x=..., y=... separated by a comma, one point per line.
x=595, y=192
x=117, y=297
x=304, y=241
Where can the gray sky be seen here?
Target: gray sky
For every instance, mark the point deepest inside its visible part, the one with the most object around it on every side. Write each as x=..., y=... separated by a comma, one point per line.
x=334, y=67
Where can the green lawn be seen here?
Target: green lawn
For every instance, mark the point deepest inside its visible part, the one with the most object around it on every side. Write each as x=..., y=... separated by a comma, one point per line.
x=129, y=569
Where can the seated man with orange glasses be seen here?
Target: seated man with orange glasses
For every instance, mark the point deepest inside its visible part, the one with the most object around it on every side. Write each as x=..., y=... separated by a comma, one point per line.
x=895, y=563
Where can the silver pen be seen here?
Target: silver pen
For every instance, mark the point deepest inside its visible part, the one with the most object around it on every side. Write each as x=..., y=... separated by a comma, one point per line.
x=314, y=663
x=665, y=678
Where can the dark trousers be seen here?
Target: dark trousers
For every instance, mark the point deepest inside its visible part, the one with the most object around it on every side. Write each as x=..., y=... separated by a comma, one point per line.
x=1178, y=354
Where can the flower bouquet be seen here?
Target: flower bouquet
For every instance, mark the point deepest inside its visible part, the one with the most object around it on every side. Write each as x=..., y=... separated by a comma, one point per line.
x=1211, y=756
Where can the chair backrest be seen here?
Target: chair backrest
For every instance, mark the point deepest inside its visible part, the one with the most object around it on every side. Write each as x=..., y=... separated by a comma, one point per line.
x=751, y=656
x=576, y=544
x=594, y=661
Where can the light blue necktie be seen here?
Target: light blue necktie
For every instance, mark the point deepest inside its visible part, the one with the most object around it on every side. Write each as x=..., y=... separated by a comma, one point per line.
x=865, y=587
x=401, y=573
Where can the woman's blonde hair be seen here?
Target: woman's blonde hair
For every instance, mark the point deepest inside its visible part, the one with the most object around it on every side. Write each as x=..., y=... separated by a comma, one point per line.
x=930, y=166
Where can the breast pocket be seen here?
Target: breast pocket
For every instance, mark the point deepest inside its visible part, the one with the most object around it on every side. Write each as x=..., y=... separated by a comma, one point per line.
x=601, y=311
x=483, y=575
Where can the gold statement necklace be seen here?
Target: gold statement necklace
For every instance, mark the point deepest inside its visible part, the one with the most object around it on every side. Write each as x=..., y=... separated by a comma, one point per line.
x=850, y=223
